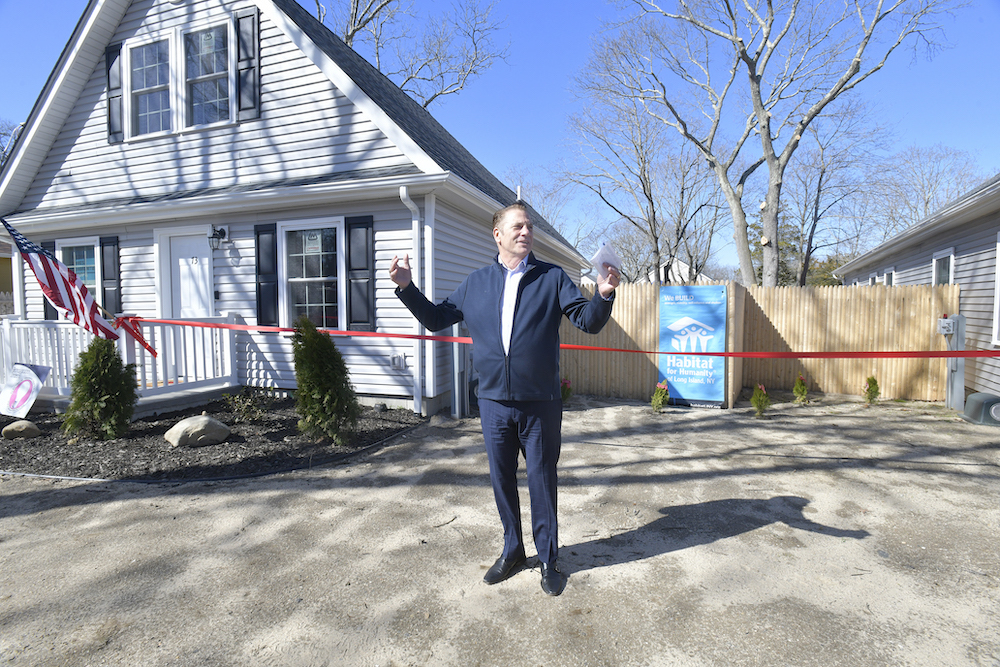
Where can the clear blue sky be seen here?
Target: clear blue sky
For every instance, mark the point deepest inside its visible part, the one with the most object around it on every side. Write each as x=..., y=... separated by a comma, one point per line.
x=953, y=99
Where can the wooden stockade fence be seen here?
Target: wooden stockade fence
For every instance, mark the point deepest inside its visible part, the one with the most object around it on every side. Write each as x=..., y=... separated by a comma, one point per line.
x=634, y=325
x=781, y=319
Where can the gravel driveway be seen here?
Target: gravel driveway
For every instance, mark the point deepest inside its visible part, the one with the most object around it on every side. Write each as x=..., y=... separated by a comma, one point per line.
x=829, y=534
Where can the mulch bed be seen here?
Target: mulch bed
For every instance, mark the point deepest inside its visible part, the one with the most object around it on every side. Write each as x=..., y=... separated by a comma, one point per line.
x=267, y=444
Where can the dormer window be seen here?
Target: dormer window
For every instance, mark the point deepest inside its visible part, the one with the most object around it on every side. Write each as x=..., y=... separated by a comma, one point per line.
x=150, y=67
x=186, y=87
x=207, y=70
x=189, y=78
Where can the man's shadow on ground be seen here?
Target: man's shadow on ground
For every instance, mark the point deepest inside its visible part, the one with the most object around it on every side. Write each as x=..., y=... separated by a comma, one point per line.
x=686, y=526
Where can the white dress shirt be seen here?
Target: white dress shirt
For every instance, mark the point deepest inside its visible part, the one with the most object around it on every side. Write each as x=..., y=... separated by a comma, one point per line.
x=509, y=300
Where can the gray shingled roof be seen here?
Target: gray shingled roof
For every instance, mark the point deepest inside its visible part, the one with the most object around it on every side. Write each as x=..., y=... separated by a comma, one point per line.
x=410, y=116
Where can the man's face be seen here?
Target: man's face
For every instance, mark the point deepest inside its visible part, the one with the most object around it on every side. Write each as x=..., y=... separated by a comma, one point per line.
x=514, y=236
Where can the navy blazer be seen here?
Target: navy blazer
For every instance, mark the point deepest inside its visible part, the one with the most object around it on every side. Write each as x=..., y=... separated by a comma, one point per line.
x=545, y=294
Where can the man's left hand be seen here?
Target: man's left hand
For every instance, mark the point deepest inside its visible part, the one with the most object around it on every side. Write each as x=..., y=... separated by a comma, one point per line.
x=606, y=286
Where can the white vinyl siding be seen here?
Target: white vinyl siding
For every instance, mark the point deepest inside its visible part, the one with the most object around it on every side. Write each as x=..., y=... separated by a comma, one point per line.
x=995, y=328
x=233, y=265
x=34, y=300
x=138, y=273
x=307, y=129
x=975, y=271
x=974, y=267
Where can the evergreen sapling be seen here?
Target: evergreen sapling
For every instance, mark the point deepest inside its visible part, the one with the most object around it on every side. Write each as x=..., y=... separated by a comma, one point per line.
x=103, y=393
x=325, y=399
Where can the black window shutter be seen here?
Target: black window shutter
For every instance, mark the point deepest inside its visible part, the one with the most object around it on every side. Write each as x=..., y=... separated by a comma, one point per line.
x=360, y=273
x=50, y=312
x=111, y=284
x=247, y=64
x=113, y=62
x=267, y=274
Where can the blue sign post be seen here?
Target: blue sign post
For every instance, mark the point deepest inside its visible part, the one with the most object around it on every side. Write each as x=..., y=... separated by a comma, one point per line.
x=693, y=319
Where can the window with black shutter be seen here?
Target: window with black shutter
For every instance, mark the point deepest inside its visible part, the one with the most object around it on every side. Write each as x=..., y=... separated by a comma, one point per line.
x=360, y=274
x=247, y=64
x=321, y=269
x=267, y=274
x=113, y=63
x=111, y=286
x=196, y=76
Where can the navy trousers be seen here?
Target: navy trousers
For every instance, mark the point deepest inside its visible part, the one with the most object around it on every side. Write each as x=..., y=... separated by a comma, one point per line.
x=534, y=429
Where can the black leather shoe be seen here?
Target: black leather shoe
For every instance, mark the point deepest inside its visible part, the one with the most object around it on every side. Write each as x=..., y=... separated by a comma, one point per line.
x=553, y=581
x=504, y=568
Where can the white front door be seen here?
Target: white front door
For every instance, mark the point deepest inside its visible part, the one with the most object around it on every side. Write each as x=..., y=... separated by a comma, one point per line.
x=190, y=297
x=190, y=276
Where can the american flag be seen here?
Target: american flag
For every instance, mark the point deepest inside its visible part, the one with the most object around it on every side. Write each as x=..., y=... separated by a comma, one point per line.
x=62, y=287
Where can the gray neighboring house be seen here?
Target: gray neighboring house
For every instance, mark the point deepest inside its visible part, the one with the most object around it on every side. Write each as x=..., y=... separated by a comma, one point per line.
x=958, y=244
x=166, y=122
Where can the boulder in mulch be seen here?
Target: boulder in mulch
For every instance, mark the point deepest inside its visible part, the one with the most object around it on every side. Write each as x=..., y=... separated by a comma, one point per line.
x=21, y=429
x=198, y=431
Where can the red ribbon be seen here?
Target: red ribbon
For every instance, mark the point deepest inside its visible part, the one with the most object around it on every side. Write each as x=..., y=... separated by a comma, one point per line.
x=916, y=354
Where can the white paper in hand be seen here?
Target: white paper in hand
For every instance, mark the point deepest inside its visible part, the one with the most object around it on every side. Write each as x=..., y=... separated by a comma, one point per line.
x=605, y=255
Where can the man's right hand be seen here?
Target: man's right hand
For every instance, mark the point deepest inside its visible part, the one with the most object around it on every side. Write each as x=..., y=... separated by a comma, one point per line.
x=399, y=271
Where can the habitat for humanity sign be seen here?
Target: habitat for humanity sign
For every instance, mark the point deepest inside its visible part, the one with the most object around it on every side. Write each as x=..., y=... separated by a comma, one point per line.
x=693, y=319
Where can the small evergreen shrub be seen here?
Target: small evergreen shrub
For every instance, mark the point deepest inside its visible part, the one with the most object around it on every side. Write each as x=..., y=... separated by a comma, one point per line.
x=325, y=399
x=760, y=400
x=249, y=405
x=103, y=393
x=870, y=391
x=660, y=396
x=801, y=390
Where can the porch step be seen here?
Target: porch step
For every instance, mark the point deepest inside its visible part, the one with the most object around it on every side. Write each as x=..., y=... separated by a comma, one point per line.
x=147, y=407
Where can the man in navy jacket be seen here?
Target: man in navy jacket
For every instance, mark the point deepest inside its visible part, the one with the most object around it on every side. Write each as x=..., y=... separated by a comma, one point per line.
x=513, y=309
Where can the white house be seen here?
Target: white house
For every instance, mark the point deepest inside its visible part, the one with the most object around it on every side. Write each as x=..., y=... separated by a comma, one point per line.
x=167, y=122
x=960, y=244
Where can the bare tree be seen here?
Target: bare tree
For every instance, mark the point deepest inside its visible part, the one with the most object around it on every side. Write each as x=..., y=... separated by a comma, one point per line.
x=915, y=183
x=716, y=271
x=8, y=135
x=440, y=60
x=728, y=74
x=857, y=224
x=830, y=169
x=663, y=192
x=639, y=264
x=546, y=194
x=696, y=244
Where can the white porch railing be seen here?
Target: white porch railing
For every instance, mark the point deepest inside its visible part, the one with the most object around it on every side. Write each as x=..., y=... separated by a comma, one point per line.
x=188, y=357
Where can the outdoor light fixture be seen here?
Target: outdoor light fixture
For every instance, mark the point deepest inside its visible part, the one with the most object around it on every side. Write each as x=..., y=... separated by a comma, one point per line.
x=216, y=237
